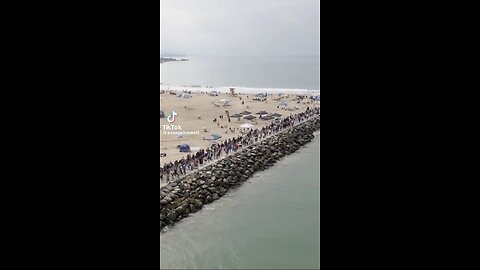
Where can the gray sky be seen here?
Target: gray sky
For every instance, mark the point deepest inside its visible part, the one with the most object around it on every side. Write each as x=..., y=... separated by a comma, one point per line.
x=240, y=27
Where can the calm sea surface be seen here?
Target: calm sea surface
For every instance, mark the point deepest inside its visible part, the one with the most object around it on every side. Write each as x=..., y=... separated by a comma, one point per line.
x=271, y=222
x=260, y=72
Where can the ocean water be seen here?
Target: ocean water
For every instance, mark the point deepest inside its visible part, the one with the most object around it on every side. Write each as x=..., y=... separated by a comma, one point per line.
x=297, y=72
x=272, y=221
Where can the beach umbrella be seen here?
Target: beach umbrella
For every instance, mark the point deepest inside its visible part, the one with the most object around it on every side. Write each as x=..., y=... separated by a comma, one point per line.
x=249, y=117
x=245, y=113
x=236, y=115
x=266, y=118
x=262, y=113
x=276, y=115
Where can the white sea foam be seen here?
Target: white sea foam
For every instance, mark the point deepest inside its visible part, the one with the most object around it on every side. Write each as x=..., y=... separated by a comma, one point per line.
x=239, y=89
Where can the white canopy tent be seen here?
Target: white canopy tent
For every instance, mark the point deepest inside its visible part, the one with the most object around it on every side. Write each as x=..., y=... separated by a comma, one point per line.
x=247, y=125
x=224, y=102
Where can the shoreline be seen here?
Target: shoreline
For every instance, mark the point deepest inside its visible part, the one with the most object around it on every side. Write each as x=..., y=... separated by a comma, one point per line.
x=172, y=59
x=238, y=89
x=189, y=194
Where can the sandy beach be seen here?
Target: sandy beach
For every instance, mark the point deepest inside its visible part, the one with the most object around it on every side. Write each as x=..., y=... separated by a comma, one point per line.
x=198, y=111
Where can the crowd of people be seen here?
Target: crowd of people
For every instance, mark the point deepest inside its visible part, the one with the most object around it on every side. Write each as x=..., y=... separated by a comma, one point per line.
x=174, y=170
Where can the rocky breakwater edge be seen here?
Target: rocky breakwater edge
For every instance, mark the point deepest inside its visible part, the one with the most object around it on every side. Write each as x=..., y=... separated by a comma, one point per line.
x=188, y=195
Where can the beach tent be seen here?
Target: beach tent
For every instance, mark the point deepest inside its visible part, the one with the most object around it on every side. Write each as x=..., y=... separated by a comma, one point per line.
x=224, y=102
x=180, y=95
x=283, y=105
x=185, y=148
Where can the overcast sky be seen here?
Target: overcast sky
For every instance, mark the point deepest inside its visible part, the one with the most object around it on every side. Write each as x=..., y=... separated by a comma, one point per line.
x=240, y=27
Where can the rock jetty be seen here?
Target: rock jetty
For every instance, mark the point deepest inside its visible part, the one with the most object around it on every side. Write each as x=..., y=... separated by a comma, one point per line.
x=188, y=195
